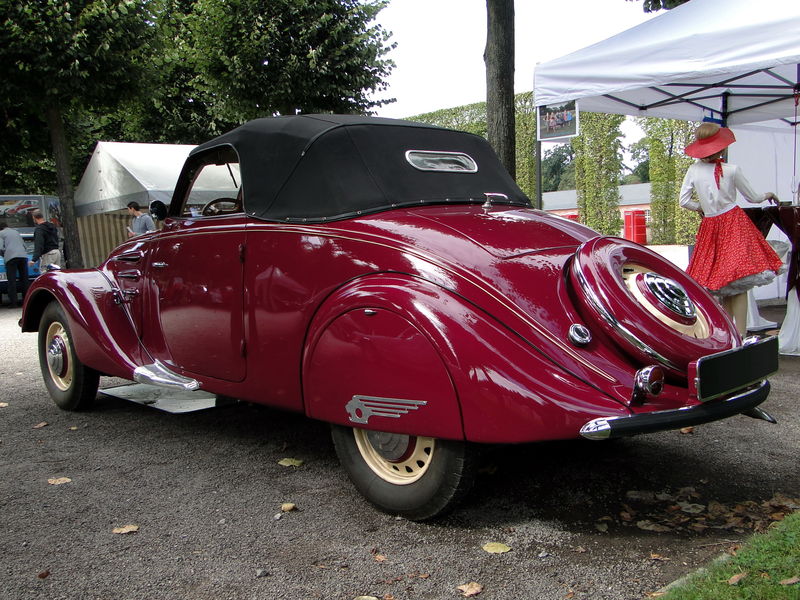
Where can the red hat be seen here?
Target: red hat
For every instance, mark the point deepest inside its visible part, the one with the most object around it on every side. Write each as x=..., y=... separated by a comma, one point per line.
x=712, y=144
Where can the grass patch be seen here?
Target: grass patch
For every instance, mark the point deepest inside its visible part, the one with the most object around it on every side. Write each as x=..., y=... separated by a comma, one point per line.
x=754, y=573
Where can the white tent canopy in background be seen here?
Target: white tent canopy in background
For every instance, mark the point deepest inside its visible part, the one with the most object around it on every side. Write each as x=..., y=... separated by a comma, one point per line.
x=120, y=172
x=736, y=59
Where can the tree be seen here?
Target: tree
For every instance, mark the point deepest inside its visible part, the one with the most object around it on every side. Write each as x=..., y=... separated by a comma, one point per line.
x=57, y=56
x=499, y=59
x=555, y=164
x=598, y=164
x=665, y=140
x=262, y=57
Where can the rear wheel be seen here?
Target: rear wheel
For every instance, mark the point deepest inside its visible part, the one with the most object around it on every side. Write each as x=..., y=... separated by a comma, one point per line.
x=71, y=384
x=412, y=476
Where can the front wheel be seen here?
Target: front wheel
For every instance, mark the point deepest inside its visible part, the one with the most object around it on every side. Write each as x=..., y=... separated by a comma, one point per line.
x=415, y=477
x=71, y=384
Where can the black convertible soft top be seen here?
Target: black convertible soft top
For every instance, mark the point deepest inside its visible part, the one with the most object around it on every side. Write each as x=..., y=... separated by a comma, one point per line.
x=314, y=168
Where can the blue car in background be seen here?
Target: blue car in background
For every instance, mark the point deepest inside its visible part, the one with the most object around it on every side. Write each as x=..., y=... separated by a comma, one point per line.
x=33, y=271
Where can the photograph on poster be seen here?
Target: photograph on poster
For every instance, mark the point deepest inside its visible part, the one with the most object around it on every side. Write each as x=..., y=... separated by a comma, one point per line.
x=557, y=120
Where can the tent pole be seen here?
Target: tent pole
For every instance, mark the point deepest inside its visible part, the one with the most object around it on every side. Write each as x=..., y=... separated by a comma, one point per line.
x=725, y=108
x=538, y=201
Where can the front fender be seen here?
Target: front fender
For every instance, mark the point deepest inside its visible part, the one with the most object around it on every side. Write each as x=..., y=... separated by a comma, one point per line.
x=398, y=338
x=103, y=336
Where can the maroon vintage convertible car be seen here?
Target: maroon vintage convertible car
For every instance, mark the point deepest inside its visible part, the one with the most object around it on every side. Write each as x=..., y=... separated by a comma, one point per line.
x=389, y=278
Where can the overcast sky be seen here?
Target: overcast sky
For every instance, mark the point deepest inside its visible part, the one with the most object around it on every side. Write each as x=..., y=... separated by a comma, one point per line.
x=440, y=44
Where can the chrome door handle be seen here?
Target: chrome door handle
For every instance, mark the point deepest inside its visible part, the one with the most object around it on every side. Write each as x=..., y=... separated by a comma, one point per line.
x=159, y=264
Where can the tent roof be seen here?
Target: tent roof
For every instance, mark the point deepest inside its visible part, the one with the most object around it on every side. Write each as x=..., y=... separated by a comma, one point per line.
x=682, y=63
x=119, y=172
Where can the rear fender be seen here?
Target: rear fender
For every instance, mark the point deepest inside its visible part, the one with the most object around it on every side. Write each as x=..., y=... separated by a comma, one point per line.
x=102, y=333
x=382, y=341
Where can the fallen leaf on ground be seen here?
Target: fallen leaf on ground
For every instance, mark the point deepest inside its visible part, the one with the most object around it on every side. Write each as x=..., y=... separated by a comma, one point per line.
x=126, y=529
x=656, y=594
x=496, y=548
x=380, y=558
x=736, y=578
x=654, y=556
x=288, y=507
x=470, y=589
x=650, y=526
x=692, y=509
x=365, y=598
x=686, y=430
x=290, y=462
x=3, y=404
x=58, y=480
x=40, y=425
x=388, y=597
x=790, y=581
x=73, y=428
x=44, y=575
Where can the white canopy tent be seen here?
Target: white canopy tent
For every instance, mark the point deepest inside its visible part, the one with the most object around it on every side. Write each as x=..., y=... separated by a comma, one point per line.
x=120, y=172
x=738, y=61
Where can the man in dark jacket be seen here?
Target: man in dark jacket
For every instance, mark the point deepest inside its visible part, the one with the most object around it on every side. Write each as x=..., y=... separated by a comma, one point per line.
x=45, y=243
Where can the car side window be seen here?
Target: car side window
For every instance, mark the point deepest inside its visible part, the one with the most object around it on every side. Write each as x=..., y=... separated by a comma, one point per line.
x=215, y=190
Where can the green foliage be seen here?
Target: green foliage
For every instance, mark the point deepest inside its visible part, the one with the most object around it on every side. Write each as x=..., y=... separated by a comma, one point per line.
x=598, y=164
x=555, y=166
x=767, y=560
x=665, y=140
x=472, y=118
x=57, y=53
x=262, y=57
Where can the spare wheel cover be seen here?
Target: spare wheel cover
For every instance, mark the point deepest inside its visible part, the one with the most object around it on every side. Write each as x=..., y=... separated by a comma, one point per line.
x=631, y=293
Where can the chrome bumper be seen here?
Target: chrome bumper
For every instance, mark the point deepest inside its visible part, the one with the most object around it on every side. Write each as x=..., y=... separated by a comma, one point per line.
x=605, y=428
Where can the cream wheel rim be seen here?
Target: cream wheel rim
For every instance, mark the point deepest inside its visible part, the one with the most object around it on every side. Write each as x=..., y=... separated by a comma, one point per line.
x=59, y=354
x=396, y=458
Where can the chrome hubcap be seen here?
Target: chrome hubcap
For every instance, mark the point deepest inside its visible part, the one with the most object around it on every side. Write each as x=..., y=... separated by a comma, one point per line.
x=58, y=356
x=671, y=294
x=396, y=458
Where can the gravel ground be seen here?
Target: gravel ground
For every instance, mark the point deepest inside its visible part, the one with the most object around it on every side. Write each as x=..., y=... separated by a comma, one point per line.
x=615, y=520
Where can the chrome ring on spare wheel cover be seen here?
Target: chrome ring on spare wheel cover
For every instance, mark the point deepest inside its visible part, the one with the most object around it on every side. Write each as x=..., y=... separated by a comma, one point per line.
x=396, y=458
x=59, y=356
x=666, y=317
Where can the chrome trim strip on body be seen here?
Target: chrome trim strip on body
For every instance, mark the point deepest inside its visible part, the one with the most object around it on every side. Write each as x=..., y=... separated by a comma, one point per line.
x=158, y=374
x=592, y=298
x=603, y=428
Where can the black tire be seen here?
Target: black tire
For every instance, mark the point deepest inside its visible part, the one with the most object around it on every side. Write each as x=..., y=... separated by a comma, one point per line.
x=71, y=384
x=417, y=478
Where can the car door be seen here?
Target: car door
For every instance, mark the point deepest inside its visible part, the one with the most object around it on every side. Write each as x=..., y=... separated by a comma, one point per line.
x=196, y=295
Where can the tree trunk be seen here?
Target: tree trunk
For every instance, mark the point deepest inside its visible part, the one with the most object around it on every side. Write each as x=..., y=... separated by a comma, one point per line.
x=55, y=123
x=499, y=59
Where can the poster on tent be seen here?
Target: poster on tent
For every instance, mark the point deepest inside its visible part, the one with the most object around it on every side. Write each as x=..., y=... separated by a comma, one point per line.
x=555, y=121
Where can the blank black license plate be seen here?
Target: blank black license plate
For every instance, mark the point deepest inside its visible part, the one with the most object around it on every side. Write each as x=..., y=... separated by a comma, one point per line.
x=718, y=374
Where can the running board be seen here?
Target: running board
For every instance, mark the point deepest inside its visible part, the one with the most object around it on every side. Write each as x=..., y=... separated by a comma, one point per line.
x=158, y=374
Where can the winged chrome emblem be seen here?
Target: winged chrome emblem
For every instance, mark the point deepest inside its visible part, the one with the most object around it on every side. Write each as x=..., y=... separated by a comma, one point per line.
x=361, y=408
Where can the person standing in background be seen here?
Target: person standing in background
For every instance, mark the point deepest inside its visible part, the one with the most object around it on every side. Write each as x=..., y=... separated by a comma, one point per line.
x=45, y=243
x=15, y=257
x=141, y=223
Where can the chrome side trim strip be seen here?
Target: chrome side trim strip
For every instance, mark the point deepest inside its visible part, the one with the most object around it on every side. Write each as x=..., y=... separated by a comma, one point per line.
x=158, y=374
x=612, y=320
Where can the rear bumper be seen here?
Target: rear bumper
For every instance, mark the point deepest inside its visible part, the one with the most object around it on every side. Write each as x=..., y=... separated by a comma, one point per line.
x=605, y=428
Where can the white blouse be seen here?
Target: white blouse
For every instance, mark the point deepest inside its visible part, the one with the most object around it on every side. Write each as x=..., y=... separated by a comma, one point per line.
x=713, y=201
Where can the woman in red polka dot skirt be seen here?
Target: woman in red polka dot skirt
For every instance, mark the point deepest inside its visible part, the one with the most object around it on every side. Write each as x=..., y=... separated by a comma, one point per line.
x=730, y=256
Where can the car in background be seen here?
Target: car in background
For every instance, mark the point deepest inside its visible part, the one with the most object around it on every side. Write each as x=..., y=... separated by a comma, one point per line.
x=390, y=278
x=33, y=271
